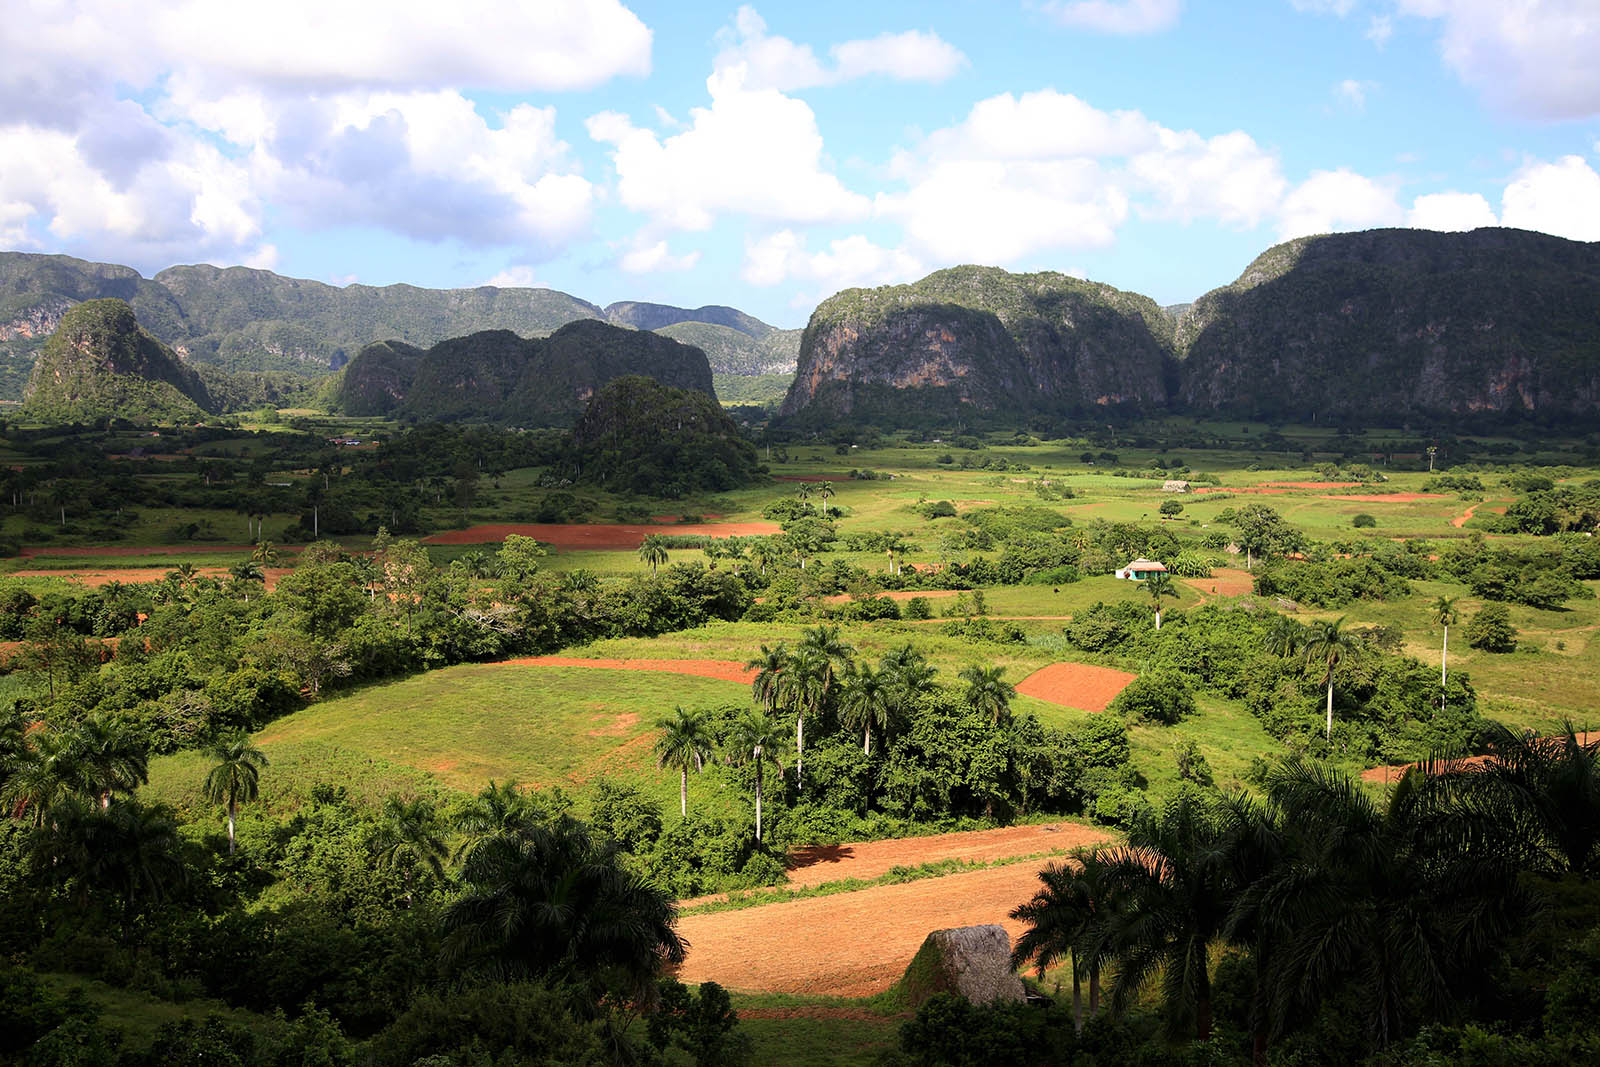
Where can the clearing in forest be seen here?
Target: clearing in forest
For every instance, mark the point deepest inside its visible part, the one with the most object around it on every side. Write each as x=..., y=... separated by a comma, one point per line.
x=1076, y=685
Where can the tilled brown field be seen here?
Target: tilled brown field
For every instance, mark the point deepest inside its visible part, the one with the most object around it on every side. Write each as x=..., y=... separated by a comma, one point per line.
x=849, y=944
x=820, y=864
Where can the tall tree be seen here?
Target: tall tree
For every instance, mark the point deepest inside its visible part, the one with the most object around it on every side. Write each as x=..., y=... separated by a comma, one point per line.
x=757, y=739
x=110, y=756
x=1405, y=903
x=1285, y=637
x=1158, y=585
x=685, y=742
x=988, y=693
x=44, y=773
x=868, y=703
x=1443, y=611
x=767, y=687
x=235, y=775
x=1066, y=919
x=653, y=551
x=1327, y=646
x=548, y=900
x=1172, y=892
x=409, y=836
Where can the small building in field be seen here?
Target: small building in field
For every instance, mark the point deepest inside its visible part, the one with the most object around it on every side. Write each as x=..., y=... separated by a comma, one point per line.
x=1140, y=569
x=1175, y=485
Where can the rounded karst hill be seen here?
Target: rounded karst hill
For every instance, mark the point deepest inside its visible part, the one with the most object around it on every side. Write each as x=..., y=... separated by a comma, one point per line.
x=99, y=363
x=640, y=436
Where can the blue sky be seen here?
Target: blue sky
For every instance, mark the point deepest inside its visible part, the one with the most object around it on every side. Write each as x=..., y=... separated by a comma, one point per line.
x=767, y=155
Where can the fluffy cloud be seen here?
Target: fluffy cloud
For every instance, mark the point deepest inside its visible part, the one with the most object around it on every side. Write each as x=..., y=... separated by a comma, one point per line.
x=770, y=62
x=1117, y=16
x=1353, y=93
x=156, y=204
x=1021, y=175
x=423, y=164
x=1534, y=57
x=753, y=152
x=1450, y=212
x=517, y=276
x=650, y=258
x=1332, y=200
x=848, y=261
x=1229, y=178
x=1561, y=198
x=316, y=45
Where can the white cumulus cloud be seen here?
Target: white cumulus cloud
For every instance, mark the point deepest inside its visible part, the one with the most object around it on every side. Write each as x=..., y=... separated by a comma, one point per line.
x=654, y=257
x=846, y=262
x=1560, y=198
x=753, y=152
x=1533, y=57
x=1450, y=212
x=771, y=62
x=1332, y=200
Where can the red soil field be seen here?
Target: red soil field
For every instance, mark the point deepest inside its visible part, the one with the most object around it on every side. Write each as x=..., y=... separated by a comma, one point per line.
x=597, y=536
x=726, y=670
x=820, y=864
x=1277, y=487
x=849, y=944
x=139, y=575
x=1224, y=581
x=1076, y=685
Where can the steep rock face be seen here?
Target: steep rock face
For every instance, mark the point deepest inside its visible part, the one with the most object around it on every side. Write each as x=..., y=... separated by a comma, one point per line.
x=499, y=376
x=99, y=363
x=981, y=339
x=1396, y=323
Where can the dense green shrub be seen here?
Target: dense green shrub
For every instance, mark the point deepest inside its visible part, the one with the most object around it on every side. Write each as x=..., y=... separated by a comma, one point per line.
x=1491, y=630
x=1161, y=697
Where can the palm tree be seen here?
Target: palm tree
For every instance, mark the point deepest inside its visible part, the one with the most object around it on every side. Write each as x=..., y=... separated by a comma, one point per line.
x=653, y=550
x=45, y=772
x=1548, y=789
x=110, y=757
x=803, y=491
x=823, y=493
x=1328, y=645
x=548, y=900
x=1256, y=847
x=805, y=689
x=868, y=702
x=131, y=851
x=1285, y=638
x=756, y=738
x=912, y=673
x=1170, y=891
x=1443, y=612
x=235, y=775
x=1159, y=585
x=685, y=742
x=770, y=666
x=1400, y=902
x=1066, y=917
x=407, y=837
x=266, y=554
x=499, y=808
x=988, y=693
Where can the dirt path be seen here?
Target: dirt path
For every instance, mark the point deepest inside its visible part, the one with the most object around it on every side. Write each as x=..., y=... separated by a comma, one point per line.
x=820, y=864
x=598, y=535
x=1076, y=685
x=849, y=944
x=723, y=669
x=1224, y=581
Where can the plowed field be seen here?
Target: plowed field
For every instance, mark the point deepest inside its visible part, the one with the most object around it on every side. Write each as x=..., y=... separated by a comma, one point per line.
x=849, y=944
x=820, y=864
x=1076, y=685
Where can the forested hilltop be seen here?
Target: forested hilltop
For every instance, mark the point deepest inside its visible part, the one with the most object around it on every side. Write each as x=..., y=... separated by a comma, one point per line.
x=245, y=320
x=497, y=376
x=1389, y=324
